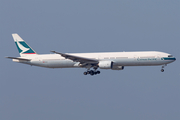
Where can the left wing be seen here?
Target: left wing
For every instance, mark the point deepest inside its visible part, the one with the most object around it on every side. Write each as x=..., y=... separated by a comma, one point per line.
x=77, y=58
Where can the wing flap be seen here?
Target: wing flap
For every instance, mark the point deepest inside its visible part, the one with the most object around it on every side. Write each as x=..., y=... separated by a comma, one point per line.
x=77, y=58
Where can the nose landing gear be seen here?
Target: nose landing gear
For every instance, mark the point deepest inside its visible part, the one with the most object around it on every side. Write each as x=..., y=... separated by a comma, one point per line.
x=162, y=70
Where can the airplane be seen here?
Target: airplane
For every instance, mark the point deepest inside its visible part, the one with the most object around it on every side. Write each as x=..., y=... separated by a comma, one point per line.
x=89, y=61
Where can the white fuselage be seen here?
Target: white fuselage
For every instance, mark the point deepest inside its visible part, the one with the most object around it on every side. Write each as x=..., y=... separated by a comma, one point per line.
x=149, y=58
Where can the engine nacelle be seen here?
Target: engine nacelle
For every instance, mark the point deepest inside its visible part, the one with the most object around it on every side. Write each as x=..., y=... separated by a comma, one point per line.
x=105, y=64
x=109, y=65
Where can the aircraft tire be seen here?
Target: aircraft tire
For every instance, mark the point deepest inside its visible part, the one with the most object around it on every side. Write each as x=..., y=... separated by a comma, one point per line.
x=98, y=72
x=91, y=72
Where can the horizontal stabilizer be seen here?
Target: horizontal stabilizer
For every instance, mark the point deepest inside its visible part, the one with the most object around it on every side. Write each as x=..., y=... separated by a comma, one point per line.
x=19, y=58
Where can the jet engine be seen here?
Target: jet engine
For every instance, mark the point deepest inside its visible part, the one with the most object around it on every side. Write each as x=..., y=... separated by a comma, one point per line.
x=109, y=65
x=105, y=64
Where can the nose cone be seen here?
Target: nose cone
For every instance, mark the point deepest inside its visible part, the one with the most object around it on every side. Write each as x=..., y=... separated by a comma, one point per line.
x=169, y=59
x=173, y=59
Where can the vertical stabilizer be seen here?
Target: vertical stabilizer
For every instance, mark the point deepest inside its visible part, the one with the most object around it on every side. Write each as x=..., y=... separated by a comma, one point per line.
x=23, y=48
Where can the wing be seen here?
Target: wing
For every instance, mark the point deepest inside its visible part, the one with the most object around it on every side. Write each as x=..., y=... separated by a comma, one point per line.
x=19, y=58
x=77, y=58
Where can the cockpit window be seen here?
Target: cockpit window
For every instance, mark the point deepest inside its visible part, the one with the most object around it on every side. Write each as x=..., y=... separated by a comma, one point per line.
x=170, y=55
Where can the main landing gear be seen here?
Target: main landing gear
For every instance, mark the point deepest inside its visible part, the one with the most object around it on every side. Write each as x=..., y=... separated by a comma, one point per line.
x=91, y=72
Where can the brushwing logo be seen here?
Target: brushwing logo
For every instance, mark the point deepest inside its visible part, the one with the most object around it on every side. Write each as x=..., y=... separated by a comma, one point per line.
x=22, y=48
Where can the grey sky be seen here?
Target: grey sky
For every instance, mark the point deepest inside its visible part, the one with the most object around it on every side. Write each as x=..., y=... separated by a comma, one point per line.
x=138, y=93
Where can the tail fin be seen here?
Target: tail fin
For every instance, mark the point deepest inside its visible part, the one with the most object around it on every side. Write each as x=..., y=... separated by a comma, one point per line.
x=23, y=48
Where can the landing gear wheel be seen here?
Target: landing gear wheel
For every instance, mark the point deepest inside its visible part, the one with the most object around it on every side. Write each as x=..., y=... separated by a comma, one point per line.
x=91, y=72
x=162, y=70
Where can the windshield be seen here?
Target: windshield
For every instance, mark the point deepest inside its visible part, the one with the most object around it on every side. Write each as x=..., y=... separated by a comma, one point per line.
x=170, y=55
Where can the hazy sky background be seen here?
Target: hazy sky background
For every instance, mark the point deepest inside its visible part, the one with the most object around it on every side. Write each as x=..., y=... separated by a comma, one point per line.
x=70, y=26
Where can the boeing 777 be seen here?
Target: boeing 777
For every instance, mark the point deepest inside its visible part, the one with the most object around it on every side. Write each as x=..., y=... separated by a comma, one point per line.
x=90, y=61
